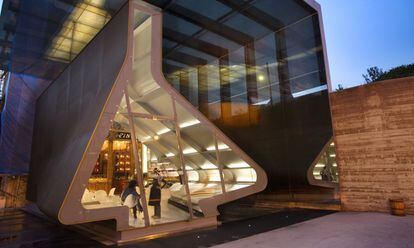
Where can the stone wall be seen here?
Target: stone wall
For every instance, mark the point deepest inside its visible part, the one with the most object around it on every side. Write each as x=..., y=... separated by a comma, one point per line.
x=374, y=134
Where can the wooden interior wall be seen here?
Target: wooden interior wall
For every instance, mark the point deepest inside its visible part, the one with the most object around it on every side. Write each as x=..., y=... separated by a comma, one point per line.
x=13, y=191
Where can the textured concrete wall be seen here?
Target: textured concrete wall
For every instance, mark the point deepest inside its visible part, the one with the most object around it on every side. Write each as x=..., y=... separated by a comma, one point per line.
x=374, y=132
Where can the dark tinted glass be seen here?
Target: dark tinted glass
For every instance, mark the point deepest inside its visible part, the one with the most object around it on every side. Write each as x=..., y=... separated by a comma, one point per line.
x=40, y=38
x=255, y=69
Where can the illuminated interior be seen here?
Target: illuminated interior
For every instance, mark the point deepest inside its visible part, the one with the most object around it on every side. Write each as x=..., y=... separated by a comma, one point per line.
x=326, y=169
x=192, y=161
x=256, y=70
x=85, y=21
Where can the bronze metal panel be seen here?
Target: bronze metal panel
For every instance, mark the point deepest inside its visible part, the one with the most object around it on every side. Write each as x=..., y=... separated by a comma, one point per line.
x=68, y=111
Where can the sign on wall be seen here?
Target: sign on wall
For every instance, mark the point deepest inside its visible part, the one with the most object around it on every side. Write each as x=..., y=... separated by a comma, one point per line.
x=123, y=135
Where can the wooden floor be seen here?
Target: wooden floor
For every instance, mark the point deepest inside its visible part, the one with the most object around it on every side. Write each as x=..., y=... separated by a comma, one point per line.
x=19, y=229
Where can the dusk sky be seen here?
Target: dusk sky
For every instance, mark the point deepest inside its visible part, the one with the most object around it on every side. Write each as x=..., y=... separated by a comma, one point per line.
x=366, y=33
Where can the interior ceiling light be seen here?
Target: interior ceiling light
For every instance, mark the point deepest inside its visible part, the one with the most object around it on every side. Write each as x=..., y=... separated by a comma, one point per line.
x=163, y=131
x=211, y=148
x=144, y=140
x=310, y=91
x=84, y=22
x=207, y=166
x=220, y=147
x=189, y=150
x=238, y=165
x=210, y=185
x=189, y=123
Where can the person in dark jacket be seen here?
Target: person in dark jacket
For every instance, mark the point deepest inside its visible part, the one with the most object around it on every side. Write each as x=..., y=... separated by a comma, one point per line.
x=155, y=193
x=130, y=190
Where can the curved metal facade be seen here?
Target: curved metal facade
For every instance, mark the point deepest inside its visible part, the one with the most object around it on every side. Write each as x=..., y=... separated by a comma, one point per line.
x=68, y=111
x=91, y=94
x=249, y=76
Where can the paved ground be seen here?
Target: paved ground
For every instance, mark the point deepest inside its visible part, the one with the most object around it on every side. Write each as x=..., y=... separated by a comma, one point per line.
x=234, y=230
x=283, y=229
x=20, y=229
x=339, y=230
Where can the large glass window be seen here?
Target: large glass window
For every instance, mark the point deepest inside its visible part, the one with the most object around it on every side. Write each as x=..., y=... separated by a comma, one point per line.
x=326, y=168
x=158, y=159
x=263, y=82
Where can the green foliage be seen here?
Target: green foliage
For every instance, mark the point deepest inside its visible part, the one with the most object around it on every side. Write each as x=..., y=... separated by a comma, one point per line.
x=376, y=74
x=399, y=72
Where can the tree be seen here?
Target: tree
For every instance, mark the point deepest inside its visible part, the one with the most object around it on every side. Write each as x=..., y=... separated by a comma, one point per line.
x=399, y=72
x=374, y=74
x=340, y=87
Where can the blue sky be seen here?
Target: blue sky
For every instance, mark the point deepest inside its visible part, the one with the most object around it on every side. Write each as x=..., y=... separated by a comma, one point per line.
x=365, y=33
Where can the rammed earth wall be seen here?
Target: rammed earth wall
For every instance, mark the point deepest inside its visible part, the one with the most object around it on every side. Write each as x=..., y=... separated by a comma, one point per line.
x=374, y=134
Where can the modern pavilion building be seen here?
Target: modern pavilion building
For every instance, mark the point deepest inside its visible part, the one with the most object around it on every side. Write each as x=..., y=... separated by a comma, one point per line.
x=226, y=98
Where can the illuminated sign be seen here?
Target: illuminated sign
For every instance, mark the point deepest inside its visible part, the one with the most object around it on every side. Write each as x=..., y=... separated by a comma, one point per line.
x=122, y=135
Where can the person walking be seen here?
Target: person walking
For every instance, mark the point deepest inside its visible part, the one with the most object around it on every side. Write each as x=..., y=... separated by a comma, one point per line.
x=134, y=199
x=155, y=193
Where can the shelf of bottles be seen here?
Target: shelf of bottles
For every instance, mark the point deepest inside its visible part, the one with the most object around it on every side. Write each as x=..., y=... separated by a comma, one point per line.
x=101, y=164
x=122, y=160
x=114, y=167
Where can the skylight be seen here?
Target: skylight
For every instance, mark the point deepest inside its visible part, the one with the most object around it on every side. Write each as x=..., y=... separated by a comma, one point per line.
x=86, y=20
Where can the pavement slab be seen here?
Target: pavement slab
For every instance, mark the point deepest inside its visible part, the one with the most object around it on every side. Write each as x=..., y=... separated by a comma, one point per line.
x=339, y=230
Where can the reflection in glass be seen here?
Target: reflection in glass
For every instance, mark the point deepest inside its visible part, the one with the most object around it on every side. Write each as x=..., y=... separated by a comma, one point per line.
x=260, y=78
x=326, y=169
x=84, y=22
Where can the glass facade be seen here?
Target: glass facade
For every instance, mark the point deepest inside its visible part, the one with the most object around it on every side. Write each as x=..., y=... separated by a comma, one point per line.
x=256, y=70
x=86, y=19
x=326, y=168
x=176, y=159
x=40, y=38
